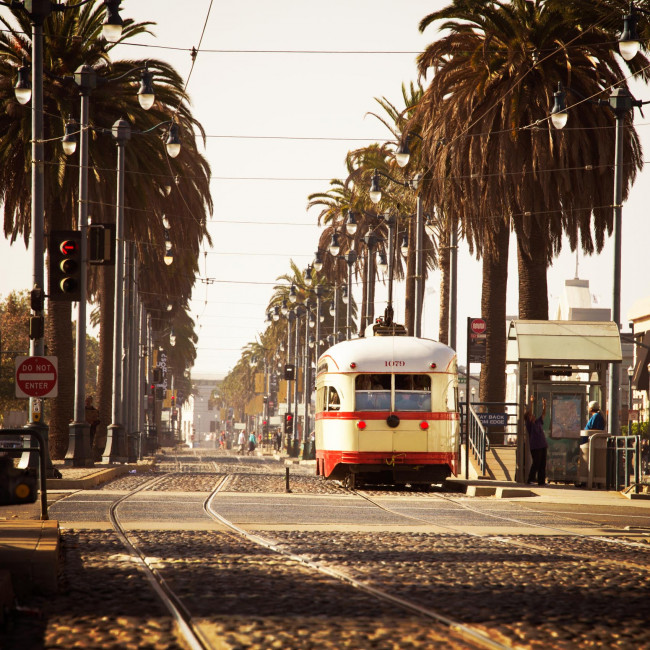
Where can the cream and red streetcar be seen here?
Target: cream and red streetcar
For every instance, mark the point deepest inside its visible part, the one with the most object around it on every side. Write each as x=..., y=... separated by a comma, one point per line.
x=387, y=409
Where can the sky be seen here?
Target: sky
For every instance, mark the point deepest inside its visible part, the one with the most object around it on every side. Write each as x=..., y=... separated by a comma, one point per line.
x=279, y=126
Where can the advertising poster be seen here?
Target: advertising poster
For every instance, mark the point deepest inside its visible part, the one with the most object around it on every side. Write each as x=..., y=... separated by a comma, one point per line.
x=566, y=415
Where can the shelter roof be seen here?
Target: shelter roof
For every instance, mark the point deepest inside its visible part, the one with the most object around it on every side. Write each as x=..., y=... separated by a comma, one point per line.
x=563, y=341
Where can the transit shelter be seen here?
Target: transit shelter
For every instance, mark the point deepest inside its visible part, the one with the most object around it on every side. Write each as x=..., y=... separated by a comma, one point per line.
x=564, y=362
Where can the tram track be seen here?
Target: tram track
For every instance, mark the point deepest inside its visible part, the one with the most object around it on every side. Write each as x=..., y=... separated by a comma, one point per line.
x=472, y=635
x=513, y=520
x=193, y=633
x=177, y=573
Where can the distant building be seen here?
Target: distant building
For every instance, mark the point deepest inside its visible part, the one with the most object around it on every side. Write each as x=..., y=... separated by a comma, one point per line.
x=199, y=416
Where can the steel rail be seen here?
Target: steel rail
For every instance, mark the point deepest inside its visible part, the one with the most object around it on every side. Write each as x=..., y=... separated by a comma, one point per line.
x=192, y=634
x=464, y=631
x=509, y=540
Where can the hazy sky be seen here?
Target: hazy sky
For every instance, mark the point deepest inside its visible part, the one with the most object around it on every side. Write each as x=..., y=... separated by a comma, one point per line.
x=279, y=126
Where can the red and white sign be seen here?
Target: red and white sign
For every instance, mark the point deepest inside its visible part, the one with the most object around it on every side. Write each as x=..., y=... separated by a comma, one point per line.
x=36, y=376
x=478, y=326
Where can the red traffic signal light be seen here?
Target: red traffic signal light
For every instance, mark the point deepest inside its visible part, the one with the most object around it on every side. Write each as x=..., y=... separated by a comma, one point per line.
x=65, y=265
x=288, y=422
x=69, y=247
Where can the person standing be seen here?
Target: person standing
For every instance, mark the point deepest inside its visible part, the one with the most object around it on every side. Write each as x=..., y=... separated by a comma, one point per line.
x=596, y=420
x=92, y=418
x=537, y=442
x=241, y=441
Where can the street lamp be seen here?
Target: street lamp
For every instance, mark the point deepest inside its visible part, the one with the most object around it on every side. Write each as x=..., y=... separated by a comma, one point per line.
x=620, y=103
x=23, y=87
x=630, y=372
x=115, y=439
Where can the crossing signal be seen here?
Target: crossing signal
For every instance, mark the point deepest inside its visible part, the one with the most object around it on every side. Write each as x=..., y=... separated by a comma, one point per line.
x=65, y=265
x=288, y=422
x=289, y=371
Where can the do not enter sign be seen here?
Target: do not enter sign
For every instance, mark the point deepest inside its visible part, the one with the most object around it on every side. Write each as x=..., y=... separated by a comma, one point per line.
x=478, y=326
x=36, y=376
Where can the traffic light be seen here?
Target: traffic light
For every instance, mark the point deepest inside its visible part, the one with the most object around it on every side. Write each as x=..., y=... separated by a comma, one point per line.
x=157, y=375
x=65, y=265
x=289, y=371
x=101, y=243
x=288, y=422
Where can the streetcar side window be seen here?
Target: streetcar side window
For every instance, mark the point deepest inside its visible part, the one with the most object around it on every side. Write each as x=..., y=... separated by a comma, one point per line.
x=412, y=392
x=333, y=399
x=372, y=392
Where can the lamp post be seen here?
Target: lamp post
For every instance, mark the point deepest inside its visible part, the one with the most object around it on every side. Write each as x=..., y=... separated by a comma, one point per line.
x=38, y=11
x=115, y=447
x=630, y=372
x=306, y=379
x=371, y=240
x=79, y=453
x=375, y=196
x=293, y=449
x=620, y=102
x=350, y=259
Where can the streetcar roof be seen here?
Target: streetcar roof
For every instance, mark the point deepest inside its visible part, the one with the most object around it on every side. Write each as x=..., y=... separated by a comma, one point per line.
x=388, y=354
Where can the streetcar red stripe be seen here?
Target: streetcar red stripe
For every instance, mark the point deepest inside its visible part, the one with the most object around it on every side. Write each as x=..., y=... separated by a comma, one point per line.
x=382, y=415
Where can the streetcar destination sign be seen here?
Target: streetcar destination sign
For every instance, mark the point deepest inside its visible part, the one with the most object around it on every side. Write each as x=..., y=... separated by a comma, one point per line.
x=36, y=376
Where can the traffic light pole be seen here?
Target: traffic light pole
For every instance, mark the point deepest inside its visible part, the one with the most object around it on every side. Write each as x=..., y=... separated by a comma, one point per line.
x=79, y=452
x=293, y=449
x=115, y=451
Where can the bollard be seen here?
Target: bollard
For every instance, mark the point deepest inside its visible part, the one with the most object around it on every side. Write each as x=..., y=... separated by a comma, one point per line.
x=287, y=489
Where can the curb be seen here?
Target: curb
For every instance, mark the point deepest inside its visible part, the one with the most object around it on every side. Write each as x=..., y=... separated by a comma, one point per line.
x=100, y=476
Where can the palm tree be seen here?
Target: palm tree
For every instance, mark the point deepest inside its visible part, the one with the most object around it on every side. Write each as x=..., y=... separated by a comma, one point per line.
x=73, y=39
x=496, y=67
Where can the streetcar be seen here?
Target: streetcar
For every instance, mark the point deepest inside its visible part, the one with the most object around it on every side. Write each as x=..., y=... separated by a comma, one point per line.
x=387, y=409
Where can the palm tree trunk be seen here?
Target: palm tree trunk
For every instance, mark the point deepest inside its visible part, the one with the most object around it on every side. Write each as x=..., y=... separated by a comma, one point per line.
x=60, y=345
x=532, y=266
x=443, y=263
x=492, y=387
x=105, y=380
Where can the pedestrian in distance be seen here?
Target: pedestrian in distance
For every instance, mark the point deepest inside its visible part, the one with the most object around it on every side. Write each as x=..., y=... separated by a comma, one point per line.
x=252, y=442
x=92, y=418
x=537, y=442
x=596, y=421
x=241, y=441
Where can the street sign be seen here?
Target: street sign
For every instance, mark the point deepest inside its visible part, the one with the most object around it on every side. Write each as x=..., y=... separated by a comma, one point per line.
x=478, y=326
x=493, y=419
x=36, y=376
x=476, y=340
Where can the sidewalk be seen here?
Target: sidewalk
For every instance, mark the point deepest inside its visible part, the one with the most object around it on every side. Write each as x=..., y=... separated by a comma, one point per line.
x=29, y=547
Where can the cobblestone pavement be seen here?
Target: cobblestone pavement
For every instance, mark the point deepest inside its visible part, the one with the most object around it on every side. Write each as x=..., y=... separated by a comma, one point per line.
x=538, y=592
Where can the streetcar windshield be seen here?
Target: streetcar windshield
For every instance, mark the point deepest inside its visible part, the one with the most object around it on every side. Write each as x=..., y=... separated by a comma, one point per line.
x=412, y=393
x=372, y=392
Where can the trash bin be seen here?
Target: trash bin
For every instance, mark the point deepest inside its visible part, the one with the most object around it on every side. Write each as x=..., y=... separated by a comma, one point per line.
x=592, y=462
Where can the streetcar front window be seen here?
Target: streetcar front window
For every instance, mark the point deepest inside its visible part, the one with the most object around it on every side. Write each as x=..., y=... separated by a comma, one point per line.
x=412, y=393
x=372, y=392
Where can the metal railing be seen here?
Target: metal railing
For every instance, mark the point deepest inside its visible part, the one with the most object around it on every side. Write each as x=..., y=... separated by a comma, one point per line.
x=623, y=462
x=477, y=438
